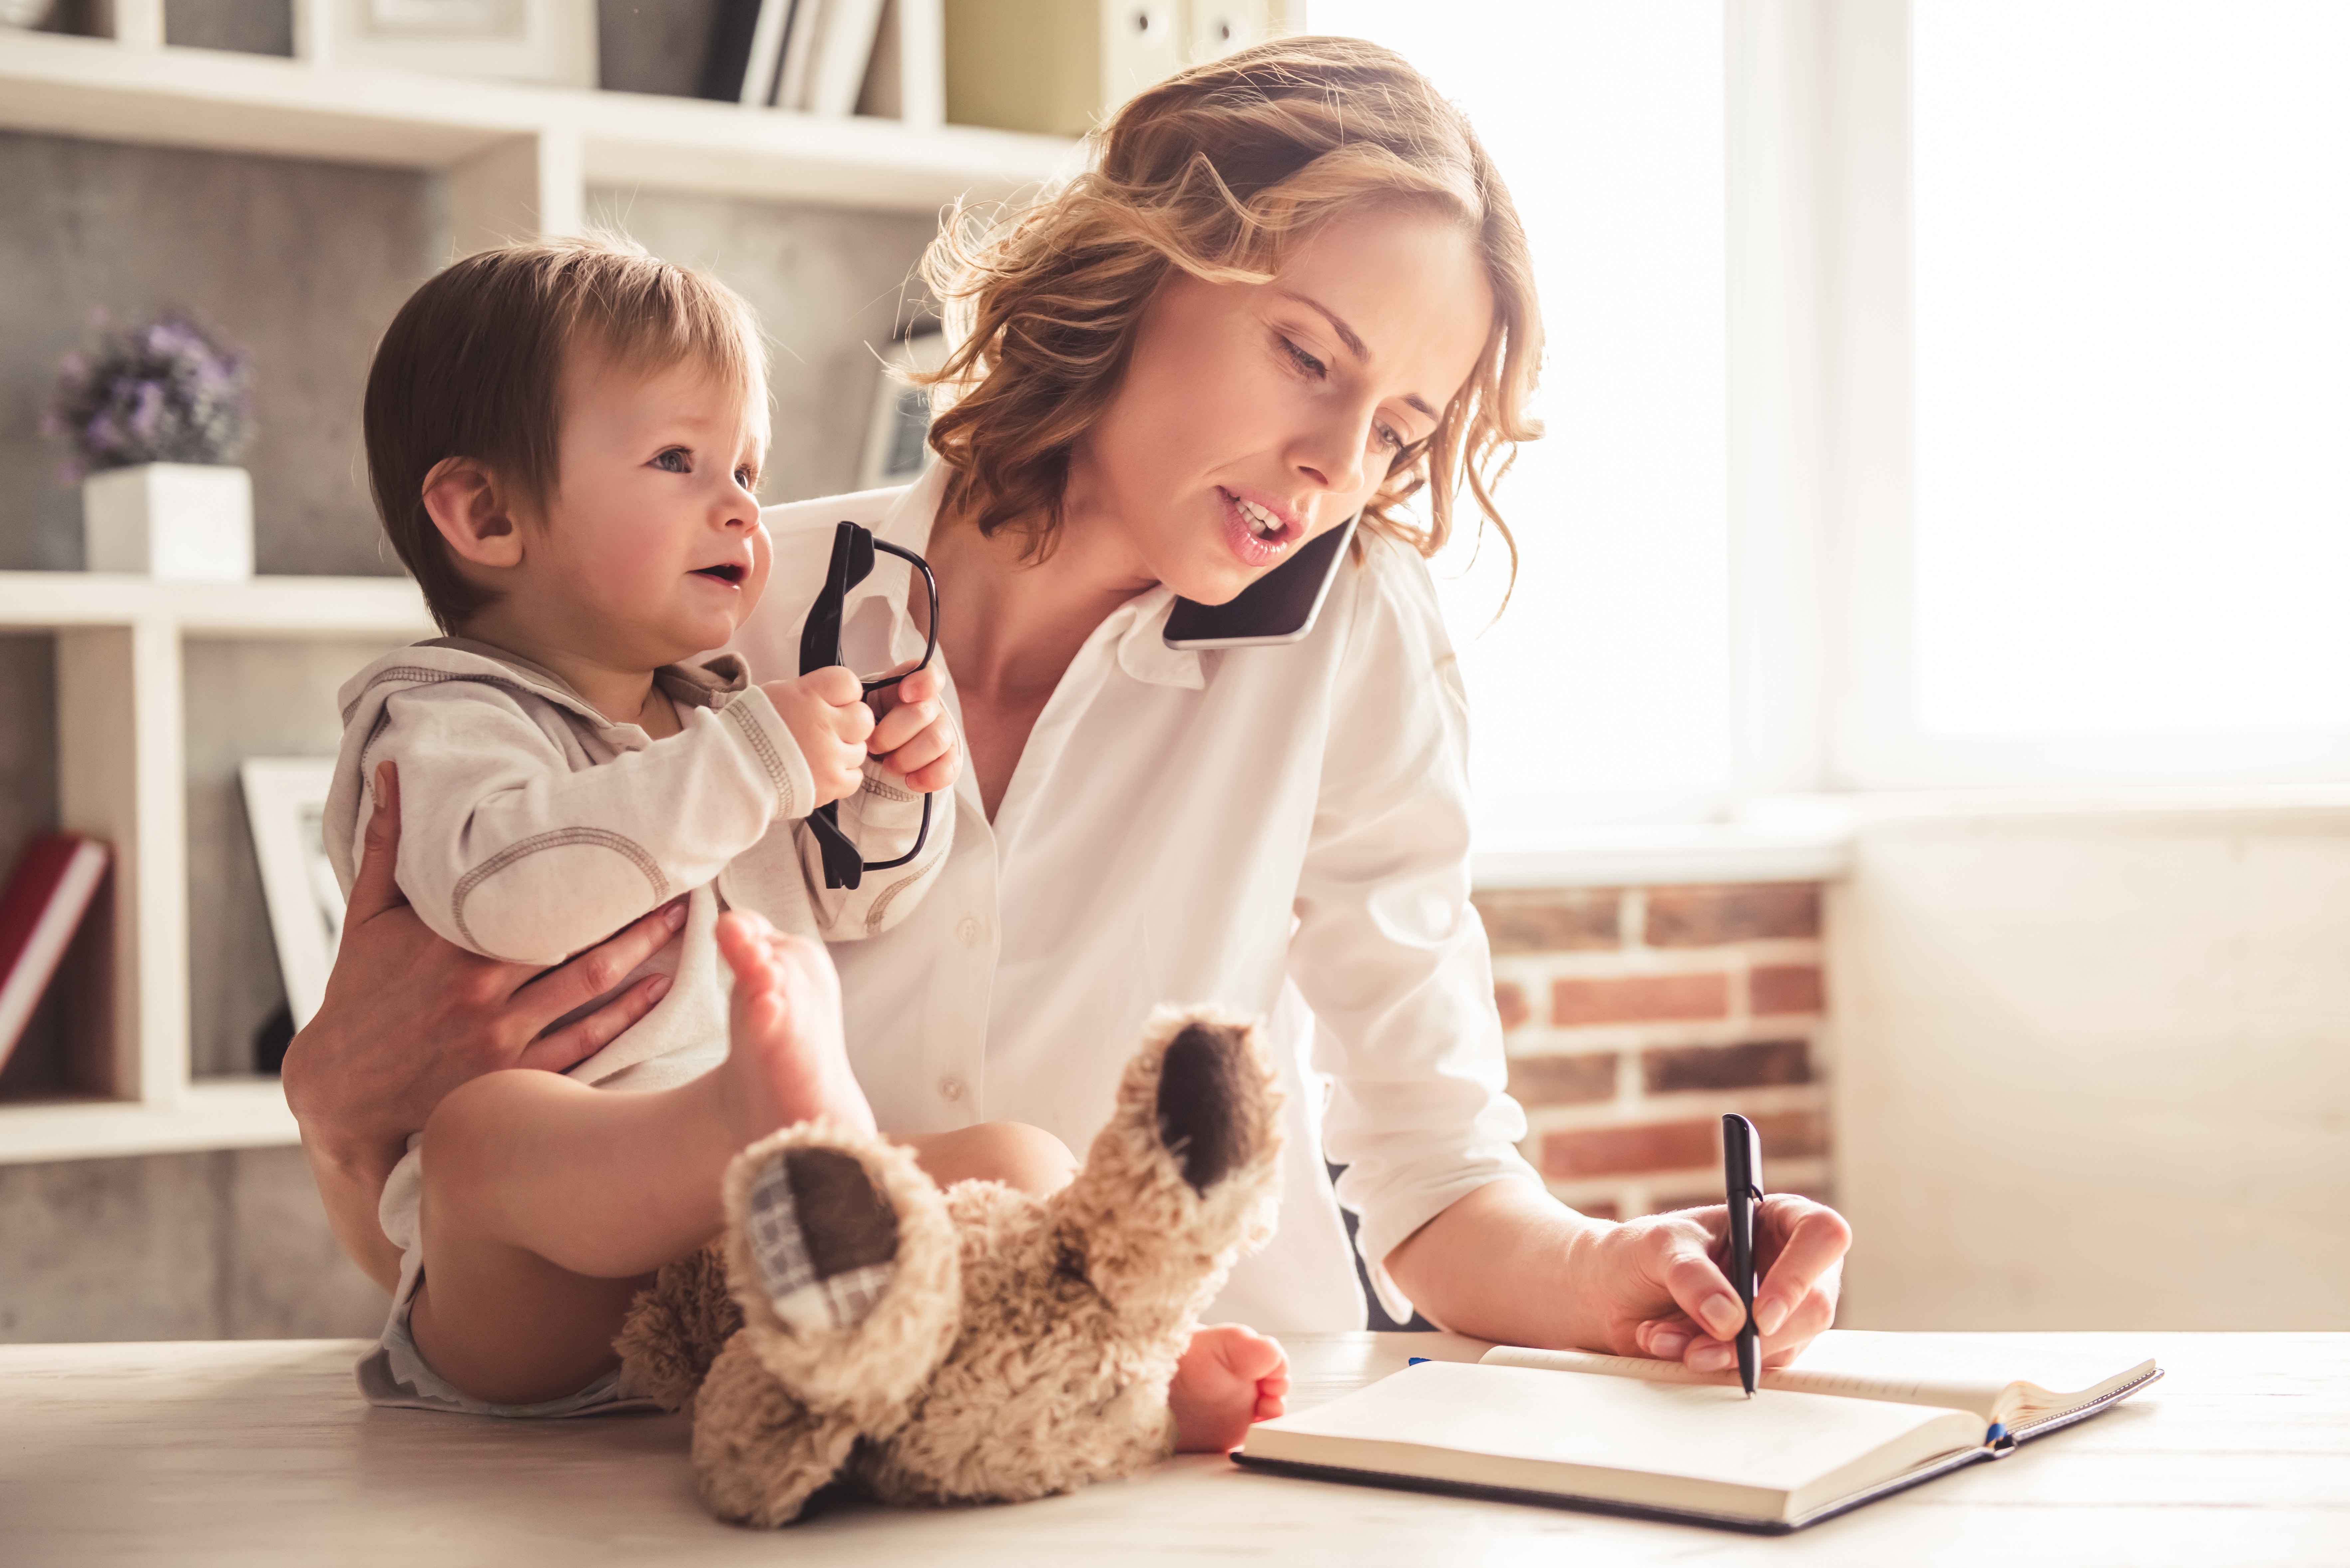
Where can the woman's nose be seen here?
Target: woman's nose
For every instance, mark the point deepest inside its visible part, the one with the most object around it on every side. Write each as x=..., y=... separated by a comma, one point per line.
x=1334, y=455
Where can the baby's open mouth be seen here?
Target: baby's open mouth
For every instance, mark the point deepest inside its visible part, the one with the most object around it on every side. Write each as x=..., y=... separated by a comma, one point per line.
x=726, y=574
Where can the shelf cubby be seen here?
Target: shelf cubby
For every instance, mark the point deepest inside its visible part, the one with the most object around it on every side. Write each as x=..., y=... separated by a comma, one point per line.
x=122, y=776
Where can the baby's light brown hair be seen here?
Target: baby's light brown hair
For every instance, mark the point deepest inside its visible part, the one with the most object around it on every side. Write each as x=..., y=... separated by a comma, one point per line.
x=472, y=366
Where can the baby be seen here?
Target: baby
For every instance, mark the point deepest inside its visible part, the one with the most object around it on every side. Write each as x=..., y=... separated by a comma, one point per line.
x=564, y=443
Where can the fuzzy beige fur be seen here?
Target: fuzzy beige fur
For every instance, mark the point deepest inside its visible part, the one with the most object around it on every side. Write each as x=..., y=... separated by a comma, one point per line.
x=1022, y=1345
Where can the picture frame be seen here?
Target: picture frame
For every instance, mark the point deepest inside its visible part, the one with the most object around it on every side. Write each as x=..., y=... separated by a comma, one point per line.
x=285, y=807
x=897, y=448
x=546, y=41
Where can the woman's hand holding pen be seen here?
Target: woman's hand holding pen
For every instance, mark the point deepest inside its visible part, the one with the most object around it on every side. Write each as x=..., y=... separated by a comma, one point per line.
x=1674, y=1301
x=1511, y=1264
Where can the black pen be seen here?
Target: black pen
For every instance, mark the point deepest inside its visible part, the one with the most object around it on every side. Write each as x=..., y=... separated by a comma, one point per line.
x=1742, y=1179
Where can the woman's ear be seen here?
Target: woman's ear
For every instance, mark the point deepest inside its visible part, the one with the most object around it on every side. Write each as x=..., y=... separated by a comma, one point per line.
x=470, y=508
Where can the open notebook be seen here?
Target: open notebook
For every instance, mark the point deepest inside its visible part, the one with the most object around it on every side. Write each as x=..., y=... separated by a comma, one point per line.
x=1863, y=1416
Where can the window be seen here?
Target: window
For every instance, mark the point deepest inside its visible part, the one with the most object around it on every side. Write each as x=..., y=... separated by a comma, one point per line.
x=2131, y=365
x=2017, y=455
x=1604, y=690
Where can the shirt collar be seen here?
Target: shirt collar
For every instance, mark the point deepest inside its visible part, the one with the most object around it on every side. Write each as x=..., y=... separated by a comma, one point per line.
x=1140, y=650
x=907, y=522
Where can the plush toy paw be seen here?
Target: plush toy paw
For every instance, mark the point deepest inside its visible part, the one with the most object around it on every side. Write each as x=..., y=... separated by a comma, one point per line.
x=844, y=1264
x=822, y=1239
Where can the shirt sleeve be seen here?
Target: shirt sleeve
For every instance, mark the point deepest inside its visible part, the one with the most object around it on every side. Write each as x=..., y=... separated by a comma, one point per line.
x=1388, y=953
x=506, y=851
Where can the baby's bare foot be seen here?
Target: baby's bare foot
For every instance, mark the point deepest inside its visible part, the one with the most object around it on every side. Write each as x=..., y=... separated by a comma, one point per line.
x=1230, y=1377
x=788, y=1057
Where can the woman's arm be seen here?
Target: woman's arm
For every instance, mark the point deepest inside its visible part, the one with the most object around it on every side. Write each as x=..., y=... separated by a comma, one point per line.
x=407, y=1017
x=1394, y=963
x=1509, y=1262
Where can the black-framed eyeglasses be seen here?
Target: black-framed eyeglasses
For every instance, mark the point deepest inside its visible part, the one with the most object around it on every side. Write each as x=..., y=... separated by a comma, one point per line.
x=852, y=561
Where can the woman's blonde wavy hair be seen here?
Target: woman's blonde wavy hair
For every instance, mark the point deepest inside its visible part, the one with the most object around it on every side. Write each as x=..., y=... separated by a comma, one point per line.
x=1216, y=171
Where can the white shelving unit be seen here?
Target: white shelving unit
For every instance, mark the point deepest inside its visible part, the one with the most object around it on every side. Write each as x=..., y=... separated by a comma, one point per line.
x=520, y=161
x=122, y=777
x=520, y=158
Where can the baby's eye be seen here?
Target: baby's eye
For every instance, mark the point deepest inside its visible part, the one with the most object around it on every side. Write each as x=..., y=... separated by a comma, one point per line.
x=676, y=460
x=747, y=477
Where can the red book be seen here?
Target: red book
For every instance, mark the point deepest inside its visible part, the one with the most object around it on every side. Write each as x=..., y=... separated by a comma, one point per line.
x=49, y=893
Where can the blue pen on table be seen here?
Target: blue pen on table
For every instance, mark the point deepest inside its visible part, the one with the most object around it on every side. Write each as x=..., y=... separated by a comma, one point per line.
x=1742, y=1179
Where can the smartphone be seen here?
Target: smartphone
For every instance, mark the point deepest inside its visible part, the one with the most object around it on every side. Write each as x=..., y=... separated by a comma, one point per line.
x=1277, y=608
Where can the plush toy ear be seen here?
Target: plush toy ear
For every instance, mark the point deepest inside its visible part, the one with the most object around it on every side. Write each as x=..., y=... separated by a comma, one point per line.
x=1204, y=1083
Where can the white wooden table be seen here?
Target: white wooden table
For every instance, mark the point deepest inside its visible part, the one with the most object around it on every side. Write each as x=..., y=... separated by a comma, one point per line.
x=259, y=1453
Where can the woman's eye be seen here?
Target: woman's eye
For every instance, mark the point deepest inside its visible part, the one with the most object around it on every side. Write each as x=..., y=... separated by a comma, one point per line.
x=1304, y=361
x=676, y=460
x=1387, y=438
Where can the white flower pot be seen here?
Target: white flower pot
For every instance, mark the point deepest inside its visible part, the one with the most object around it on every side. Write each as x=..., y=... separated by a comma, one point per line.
x=179, y=522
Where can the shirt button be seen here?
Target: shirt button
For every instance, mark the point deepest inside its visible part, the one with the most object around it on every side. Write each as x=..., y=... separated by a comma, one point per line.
x=950, y=1087
x=968, y=933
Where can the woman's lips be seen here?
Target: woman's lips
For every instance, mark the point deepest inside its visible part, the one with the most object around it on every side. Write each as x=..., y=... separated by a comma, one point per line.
x=1243, y=526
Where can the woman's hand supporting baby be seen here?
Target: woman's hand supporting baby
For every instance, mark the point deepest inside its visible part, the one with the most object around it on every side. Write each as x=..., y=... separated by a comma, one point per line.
x=409, y=1016
x=837, y=726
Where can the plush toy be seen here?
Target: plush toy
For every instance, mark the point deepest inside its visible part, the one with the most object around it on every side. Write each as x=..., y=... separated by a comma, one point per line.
x=980, y=1344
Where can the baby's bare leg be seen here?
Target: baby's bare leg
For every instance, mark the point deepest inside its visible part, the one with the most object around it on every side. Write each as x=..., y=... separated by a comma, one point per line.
x=1013, y=1153
x=549, y=1203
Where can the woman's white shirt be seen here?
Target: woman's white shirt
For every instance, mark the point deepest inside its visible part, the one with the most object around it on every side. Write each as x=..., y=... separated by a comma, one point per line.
x=1281, y=831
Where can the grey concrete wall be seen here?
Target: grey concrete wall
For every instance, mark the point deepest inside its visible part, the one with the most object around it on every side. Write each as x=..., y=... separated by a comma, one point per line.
x=223, y=1245
x=301, y=263
x=247, y=26
x=653, y=45
x=830, y=288
x=304, y=264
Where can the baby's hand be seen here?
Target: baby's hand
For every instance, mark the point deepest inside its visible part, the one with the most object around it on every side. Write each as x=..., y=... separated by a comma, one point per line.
x=914, y=739
x=1230, y=1377
x=826, y=712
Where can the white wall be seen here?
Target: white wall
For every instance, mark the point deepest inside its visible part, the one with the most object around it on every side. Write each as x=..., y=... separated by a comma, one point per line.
x=2092, y=1069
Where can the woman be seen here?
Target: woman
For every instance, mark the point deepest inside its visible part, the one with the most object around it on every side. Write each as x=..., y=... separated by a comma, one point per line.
x=1293, y=289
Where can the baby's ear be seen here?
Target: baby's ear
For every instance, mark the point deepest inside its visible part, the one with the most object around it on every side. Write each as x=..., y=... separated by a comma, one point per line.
x=1204, y=1104
x=474, y=512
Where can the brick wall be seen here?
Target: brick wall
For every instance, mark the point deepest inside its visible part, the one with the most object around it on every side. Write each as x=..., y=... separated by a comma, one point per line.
x=1638, y=1016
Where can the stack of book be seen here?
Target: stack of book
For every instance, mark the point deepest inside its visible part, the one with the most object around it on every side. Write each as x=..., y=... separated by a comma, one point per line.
x=804, y=54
